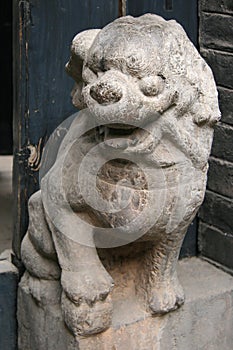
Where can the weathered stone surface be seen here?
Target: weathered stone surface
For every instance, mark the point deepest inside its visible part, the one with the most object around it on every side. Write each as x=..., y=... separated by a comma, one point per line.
x=221, y=63
x=216, y=31
x=217, y=211
x=204, y=322
x=224, y=6
x=8, y=295
x=40, y=321
x=129, y=177
x=220, y=177
x=223, y=142
x=216, y=245
x=226, y=104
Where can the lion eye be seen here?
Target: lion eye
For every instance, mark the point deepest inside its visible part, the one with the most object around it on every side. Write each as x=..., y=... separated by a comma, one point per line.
x=151, y=86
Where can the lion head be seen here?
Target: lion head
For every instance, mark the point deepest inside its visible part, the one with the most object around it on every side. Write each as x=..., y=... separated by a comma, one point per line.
x=138, y=70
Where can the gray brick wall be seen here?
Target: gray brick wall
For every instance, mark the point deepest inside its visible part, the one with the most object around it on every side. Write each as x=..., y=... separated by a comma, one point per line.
x=215, y=230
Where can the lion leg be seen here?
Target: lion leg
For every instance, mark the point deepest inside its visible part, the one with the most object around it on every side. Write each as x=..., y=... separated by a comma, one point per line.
x=36, y=264
x=86, y=300
x=37, y=250
x=164, y=292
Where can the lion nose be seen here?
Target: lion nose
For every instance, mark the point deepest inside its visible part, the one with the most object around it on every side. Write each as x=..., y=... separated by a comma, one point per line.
x=105, y=93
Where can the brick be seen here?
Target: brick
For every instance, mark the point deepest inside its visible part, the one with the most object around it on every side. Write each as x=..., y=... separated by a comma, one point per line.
x=217, y=210
x=216, y=31
x=226, y=104
x=223, y=6
x=223, y=142
x=216, y=245
x=221, y=64
x=220, y=177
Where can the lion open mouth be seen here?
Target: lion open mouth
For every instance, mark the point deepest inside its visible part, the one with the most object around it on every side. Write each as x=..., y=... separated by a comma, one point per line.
x=121, y=136
x=135, y=142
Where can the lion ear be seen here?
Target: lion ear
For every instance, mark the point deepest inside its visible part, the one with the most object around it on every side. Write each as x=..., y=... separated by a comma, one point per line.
x=79, y=49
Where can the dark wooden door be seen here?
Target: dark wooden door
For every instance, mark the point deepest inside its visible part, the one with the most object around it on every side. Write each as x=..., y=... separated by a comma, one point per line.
x=43, y=30
x=6, y=78
x=184, y=11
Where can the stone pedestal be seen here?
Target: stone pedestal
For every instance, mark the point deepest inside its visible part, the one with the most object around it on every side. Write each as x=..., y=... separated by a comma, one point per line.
x=204, y=322
x=8, y=293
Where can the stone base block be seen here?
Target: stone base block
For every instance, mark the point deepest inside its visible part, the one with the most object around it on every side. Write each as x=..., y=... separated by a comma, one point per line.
x=205, y=322
x=8, y=294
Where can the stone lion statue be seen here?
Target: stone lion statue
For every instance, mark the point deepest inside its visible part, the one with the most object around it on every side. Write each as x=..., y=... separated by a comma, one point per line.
x=148, y=104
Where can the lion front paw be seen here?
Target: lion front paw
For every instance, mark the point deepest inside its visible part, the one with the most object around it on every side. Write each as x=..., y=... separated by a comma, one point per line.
x=86, y=301
x=166, y=297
